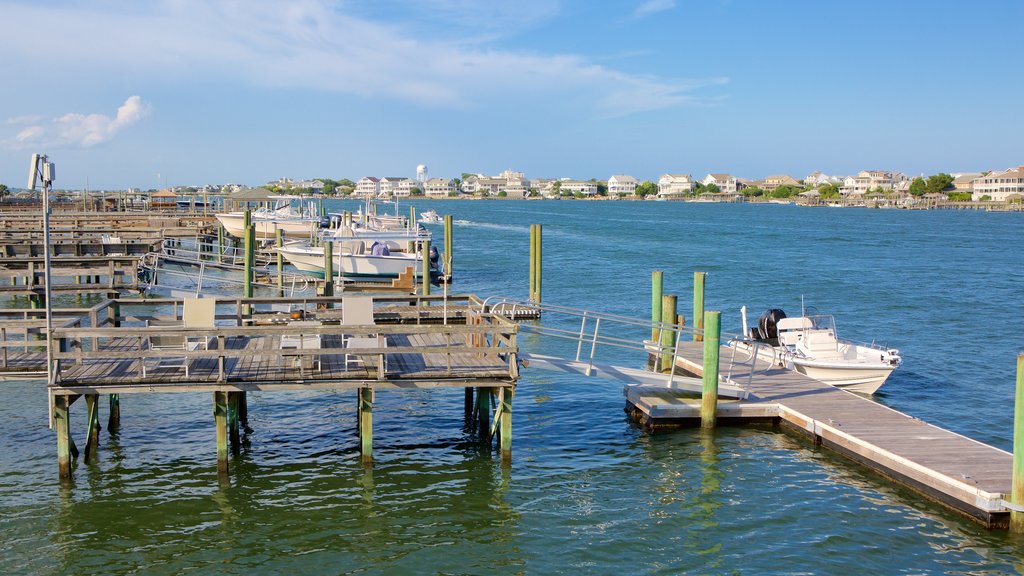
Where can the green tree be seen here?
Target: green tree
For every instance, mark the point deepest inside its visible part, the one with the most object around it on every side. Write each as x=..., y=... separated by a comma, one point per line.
x=964, y=197
x=556, y=187
x=646, y=188
x=711, y=189
x=415, y=191
x=784, y=191
x=4, y=191
x=939, y=182
x=602, y=187
x=752, y=191
x=917, y=187
x=501, y=194
x=829, y=190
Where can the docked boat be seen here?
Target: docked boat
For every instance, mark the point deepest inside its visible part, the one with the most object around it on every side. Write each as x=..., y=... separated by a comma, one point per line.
x=430, y=217
x=294, y=221
x=353, y=258
x=810, y=345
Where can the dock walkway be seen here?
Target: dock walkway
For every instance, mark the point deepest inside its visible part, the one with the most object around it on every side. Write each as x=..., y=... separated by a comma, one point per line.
x=965, y=474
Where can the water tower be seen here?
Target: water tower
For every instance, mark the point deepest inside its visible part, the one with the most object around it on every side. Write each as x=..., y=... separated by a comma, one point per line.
x=421, y=173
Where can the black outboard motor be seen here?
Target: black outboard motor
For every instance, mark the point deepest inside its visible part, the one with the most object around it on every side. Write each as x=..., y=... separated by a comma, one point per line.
x=767, y=326
x=434, y=257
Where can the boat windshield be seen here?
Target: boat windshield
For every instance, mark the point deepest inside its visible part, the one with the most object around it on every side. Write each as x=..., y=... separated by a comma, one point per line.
x=823, y=322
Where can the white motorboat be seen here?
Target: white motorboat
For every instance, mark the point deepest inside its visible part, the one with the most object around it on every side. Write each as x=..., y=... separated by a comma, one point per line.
x=294, y=222
x=810, y=345
x=431, y=217
x=351, y=260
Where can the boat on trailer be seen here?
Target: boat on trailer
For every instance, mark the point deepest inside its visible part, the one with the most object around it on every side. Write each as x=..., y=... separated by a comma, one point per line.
x=810, y=345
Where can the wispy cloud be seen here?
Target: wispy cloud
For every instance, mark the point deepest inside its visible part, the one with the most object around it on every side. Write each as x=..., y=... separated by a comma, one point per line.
x=653, y=6
x=73, y=129
x=329, y=46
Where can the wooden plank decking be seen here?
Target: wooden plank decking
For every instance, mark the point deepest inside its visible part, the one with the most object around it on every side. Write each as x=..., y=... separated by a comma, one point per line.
x=965, y=474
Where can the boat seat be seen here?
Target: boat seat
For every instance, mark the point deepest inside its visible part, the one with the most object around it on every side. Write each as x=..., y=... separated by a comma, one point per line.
x=821, y=344
x=790, y=329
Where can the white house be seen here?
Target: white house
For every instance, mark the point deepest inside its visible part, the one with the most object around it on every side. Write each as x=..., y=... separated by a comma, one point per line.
x=775, y=181
x=622, y=184
x=578, y=186
x=676, y=185
x=439, y=187
x=1000, y=185
x=368, y=186
x=727, y=183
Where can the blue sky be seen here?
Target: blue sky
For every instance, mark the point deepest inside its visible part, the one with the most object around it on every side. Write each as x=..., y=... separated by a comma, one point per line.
x=126, y=93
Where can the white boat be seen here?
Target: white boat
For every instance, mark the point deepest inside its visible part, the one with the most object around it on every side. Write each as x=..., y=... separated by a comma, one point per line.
x=810, y=345
x=354, y=259
x=294, y=222
x=430, y=217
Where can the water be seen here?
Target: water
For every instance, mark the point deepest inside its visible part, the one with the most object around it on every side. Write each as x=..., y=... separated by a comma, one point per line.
x=587, y=491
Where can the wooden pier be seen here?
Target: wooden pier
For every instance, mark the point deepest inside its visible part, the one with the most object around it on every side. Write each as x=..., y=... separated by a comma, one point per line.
x=967, y=475
x=234, y=346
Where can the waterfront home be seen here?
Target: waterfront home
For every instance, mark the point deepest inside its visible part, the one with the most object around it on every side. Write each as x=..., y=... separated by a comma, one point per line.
x=676, y=185
x=774, y=182
x=999, y=186
x=815, y=179
x=727, y=183
x=622, y=184
x=964, y=182
x=575, y=187
x=439, y=187
x=368, y=186
x=541, y=185
x=396, y=186
x=855, y=185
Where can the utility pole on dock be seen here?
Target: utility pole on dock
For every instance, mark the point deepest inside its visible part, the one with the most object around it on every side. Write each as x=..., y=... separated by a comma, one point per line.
x=42, y=168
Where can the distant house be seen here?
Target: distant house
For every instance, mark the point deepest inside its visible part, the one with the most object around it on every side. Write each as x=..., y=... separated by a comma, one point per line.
x=773, y=182
x=368, y=186
x=965, y=182
x=314, y=186
x=676, y=185
x=395, y=186
x=541, y=185
x=856, y=185
x=815, y=179
x=579, y=187
x=1000, y=185
x=439, y=187
x=727, y=183
x=622, y=184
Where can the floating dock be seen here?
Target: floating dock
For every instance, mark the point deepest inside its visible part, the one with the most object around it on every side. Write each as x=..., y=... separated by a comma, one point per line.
x=967, y=475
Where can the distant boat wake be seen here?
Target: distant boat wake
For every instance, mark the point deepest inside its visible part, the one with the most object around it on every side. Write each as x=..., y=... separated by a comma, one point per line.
x=489, y=225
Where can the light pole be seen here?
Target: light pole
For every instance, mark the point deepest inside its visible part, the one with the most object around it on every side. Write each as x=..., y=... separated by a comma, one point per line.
x=42, y=168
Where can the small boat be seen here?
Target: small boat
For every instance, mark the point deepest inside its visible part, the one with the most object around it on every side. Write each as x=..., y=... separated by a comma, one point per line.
x=810, y=345
x=354, y=259
x=294, y=222
x=431, y=217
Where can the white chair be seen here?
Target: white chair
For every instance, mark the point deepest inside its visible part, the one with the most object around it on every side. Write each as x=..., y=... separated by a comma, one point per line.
x=166, y=341
x=358, y=311
x=199, y=313
x=303, y=341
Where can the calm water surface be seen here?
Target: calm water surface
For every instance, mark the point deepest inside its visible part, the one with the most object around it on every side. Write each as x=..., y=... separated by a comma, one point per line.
x=587, y=491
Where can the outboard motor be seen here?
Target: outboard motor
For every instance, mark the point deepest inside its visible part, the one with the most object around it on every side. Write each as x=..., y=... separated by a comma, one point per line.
x=434, y=257
x=767, y=326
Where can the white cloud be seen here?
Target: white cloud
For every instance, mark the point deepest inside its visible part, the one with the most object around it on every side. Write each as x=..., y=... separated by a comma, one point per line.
x=653, y=6
x=330, y=46
x=81, y=130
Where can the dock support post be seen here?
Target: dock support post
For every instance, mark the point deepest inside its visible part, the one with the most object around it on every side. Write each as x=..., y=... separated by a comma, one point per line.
x=249, y=249
x=667, y=341
x=539, y=265
x=329, y=269
x=114, y=420
x=698, y=306
x=505, y=395
x=1017, y=490
x=366, y=425
x=92, y=422
x=709, y=390
x=220, y=418
x=220, y=243
x=657, y=285
x=467, y=405
x=233, y=409
x=60, y=421
x=533, y=263
x=280, y=264
x=426, y=268
x=483, y=409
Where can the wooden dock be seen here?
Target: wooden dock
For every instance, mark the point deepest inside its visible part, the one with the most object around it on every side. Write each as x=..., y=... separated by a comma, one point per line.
x=129, y=346
x=967, y=475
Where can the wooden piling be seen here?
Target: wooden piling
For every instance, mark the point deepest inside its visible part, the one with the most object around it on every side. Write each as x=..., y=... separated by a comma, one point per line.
x=505, y=400
x=667, y=341
x=60, y=421
x=539, y=280
x=426, y=268
x=1017, y=484
x=249, y=252
x=92, y=422
x=533, y=263
x=467, y=404
x=114, y=420
x=220, y=418
x=329, y=269
x=657, y=284
x=483, y=409
x=280, y=263
x=233, y=408
x=366, y=425
x=220, y=243
x=709, y=390
x=698, y=306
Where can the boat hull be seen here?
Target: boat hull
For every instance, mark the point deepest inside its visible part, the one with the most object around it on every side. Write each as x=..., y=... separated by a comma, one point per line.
x=266, y=228
x=861, y=379
x=311, y=262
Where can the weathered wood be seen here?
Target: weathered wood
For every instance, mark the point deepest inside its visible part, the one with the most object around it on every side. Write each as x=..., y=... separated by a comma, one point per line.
x=698, y=305
x=709, y=390
x=220, y=417
x=667, y=339
x=233, y=410
x=114, y=419
x=1017, y=479
x=92, y=435
x=657, y=285
x=365, y=404
x=505, y=398
x=63, y=429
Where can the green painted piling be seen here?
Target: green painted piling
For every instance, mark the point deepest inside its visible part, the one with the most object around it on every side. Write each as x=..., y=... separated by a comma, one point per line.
x=657, y=284
x=92, y=423
x=366, y=425
x=540, y=262
x=249, y=251
x=220, y=418
x=467, y=404
x=329, y=269
x=321, y=209
x=220, y=243
x=668, y=336
x=533, y=262
x=483, y=410
x=280, y=264
x=426, y=268
x=233, y=409
x=709, y=390
x=114, y=420
x=1017, y=490
x=698, y=306
x=505, y=399
x=60, y=424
